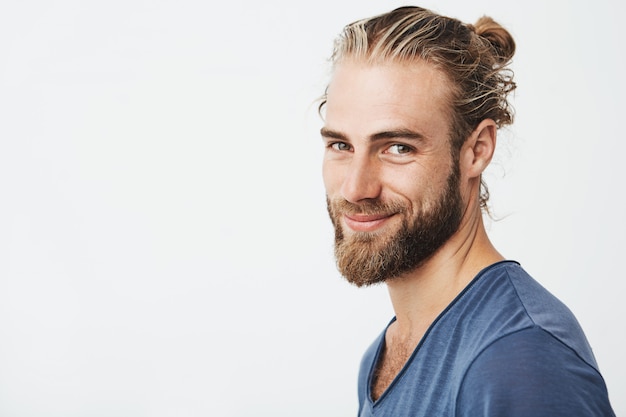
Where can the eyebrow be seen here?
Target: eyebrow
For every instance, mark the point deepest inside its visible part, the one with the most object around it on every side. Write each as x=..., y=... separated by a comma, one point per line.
x=386, y=134
x=332, y=134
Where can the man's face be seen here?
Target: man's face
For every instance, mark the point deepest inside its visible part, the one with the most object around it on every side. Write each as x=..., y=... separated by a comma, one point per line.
x=392, y=187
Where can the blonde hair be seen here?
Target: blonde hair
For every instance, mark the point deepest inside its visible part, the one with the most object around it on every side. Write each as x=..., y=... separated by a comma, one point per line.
x=474, y=57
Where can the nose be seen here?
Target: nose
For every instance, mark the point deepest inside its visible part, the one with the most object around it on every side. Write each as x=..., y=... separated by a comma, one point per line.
x=361, y=181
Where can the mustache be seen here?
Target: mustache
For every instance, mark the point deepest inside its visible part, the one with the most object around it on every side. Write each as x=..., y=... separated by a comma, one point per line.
x=341, y=206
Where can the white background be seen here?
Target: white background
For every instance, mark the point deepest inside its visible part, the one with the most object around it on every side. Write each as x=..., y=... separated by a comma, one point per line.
x=164, y=244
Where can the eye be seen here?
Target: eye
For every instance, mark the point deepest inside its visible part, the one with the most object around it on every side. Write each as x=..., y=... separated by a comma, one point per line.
x=340, y=146
x=399, y=149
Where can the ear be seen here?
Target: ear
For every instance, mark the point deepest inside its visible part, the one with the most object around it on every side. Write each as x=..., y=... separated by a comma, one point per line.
x=478, y=149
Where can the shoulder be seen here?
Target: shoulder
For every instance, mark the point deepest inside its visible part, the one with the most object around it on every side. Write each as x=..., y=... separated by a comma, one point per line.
x=506, y=297
x=532, y=373
x=548, y=312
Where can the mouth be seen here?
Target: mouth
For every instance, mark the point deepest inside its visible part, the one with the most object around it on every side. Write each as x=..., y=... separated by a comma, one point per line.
x=366, y=222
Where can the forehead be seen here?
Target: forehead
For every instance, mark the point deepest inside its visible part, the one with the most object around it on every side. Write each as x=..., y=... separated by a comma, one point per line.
x=363, y=97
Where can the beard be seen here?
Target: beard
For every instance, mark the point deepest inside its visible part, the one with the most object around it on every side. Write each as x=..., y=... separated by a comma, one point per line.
x=367, y=258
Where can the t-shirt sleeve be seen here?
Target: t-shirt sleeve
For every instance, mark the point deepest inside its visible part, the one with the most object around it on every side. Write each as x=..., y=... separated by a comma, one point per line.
x=532, y=374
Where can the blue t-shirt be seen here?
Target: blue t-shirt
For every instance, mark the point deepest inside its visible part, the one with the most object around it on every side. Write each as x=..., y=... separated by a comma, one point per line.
x=504, y=347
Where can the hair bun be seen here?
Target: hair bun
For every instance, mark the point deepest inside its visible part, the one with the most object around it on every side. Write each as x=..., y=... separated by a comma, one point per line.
x=497, y=36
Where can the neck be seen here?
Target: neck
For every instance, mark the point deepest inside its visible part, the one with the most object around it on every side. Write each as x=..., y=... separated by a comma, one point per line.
x=421, y=295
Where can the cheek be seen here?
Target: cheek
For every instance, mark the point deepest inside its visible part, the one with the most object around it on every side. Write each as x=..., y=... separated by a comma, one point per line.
x=422, y=186
x=331, y=176
x=325, y=174
x=409, y=180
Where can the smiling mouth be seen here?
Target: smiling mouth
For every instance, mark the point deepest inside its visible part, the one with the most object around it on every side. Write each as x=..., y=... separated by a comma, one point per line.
x=366, y=222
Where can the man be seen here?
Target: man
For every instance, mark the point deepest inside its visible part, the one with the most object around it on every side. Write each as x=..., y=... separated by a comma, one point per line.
x=411, y=116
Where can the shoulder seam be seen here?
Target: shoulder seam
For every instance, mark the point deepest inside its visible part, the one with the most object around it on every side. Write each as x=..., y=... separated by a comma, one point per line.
x=530, y=317
x=535, y=326
x=508, y=277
